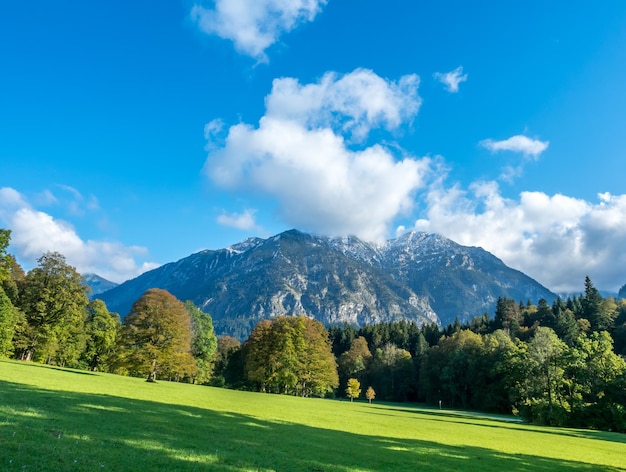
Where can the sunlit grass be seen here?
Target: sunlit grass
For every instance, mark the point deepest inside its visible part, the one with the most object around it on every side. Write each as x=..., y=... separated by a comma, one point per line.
x=58, y=419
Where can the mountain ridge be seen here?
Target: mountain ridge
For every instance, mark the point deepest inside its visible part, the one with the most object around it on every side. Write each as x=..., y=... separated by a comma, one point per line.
x=421, y=277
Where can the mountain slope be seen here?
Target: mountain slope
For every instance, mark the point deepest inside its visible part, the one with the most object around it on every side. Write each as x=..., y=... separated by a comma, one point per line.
x=98, y=284
x=420, y=277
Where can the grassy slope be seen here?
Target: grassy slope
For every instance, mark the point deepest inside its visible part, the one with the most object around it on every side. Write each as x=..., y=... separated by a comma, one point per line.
x=56, y=419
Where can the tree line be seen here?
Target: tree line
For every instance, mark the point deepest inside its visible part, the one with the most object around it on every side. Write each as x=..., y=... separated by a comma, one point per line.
x=46, y=316
x=559, y=364
x=556, y=364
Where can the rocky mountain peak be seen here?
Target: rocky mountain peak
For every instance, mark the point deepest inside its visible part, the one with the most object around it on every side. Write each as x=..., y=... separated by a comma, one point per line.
x=418, y=276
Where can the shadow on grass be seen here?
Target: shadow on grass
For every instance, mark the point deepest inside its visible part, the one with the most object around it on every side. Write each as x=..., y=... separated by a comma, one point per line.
x=60, y=369
x=52, y=430
x=493, y=421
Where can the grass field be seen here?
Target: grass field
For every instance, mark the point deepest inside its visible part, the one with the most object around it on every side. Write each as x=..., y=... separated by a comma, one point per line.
x=58, y=419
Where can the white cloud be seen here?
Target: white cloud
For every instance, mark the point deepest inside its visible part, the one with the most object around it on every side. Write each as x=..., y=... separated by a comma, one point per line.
x=518, y=143
x=298, y=154
x=34, y=232
x=254, y=25
x=243, y=221
x=556, y=239
x=351, y=104
x=451, y=79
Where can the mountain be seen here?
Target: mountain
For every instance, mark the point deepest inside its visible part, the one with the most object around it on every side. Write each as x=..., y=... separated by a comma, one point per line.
x=419, y=276
x=98, y=284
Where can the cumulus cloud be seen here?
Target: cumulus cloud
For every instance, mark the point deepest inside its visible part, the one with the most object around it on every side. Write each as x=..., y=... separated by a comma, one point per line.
x=243, y=221
x=556, y=239
x=452, y=79
x=519, y=143
x=34, y=232
x=299, y=156
x=254, y=25
x=351, y=104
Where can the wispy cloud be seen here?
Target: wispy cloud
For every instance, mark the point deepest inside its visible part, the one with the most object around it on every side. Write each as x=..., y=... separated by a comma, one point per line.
x=556, y=239
x=452, y=79
x=243, y=221
x=35, y=232
x=298, y=154
x=254, y=25
x=517, y=143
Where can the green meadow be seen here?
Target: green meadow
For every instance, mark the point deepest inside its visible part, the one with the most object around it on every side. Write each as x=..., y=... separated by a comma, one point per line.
x=61, y=419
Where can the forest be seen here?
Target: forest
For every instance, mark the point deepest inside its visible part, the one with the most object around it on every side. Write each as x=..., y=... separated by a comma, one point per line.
x=555, y=364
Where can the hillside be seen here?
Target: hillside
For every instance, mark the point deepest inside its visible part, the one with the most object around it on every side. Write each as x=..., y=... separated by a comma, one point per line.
x=419, y=276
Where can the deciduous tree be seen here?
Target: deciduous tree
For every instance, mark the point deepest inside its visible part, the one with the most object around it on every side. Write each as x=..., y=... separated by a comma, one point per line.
x=53, y=300
x=101, y=329
x=353, y=389
x=156, y=337
x=291, y=355
x=8, y=319
x=203, y=342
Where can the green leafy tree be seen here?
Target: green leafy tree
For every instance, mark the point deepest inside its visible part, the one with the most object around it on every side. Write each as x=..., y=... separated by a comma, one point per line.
x=10, y=315
x=53, y=300
x=353, y=389
x=490, y=390
x=317, y=367
x=156, y=337
x=203, y=342
x=13, y=284
x=259, y=351
x=543, y=383
x=593, y=370
x=291, y=355
x=8, y=319
x=355, y=361
x=452, y=370
x=393, y=373
x=370, y=394
x=226, y=371
x=101, y=329
x=5, y=238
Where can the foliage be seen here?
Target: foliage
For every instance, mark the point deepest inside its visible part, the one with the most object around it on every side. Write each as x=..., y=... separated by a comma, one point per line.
x=53, y=301
x=156, y=337
x=370, y=394
x=8, y=319
x=355, y=361
x=393, y=373
x=353, y=389
x=291, y=355
x=228, y=369
x=203, y=342
x=101, y=328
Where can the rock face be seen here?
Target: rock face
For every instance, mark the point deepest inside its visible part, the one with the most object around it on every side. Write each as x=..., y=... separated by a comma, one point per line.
x=420, y=277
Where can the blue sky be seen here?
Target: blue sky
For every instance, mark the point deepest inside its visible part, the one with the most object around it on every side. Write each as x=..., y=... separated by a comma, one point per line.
x=133, y=134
